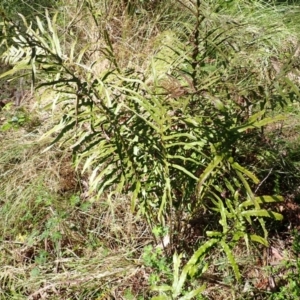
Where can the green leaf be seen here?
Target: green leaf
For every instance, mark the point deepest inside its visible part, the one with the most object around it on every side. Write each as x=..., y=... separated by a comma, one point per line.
x=223, y=212
x=214, y=234
x=258, y=124
x=231, y=259
x=262, y=213
x=184, y=159
x=194, y=293
x=238, y=235
x=229, y=186
x=295, y=88
x=253, y=118
x=248, y=189
x=6, y=126
x=56, y=42
x=262, y=200
x=219, y=105
x=246, y=238
x=81, y=53
x=198, y=254
x=238, y=167
x=259, y=239
x=161, y=297
x=270, y=120
x=178, y=135
x=209, y=169
x=161, y=288
x=177, y=283
x=40, y=25
x=35, y=272
x=151, y=124
x=17, y=68
x=184, y=171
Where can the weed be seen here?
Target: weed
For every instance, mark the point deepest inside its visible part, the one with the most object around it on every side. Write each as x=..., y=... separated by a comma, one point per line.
x=288, y=274
x=156, y=260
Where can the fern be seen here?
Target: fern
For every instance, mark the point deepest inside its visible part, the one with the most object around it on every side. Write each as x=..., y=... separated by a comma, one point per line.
x=172, y=150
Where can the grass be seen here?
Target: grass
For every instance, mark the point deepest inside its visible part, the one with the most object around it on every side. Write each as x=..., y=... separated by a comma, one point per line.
x=54, y=245
x=55, y=242
x=59, y=241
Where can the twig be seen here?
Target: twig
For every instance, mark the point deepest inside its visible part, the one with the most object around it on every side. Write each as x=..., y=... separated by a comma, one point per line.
x=263, y=180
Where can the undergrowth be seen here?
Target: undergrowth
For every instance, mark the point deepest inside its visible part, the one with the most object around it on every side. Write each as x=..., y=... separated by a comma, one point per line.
x=147, y=159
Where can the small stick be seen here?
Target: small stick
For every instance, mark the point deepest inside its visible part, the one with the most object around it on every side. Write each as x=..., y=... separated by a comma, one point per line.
x=263, y=180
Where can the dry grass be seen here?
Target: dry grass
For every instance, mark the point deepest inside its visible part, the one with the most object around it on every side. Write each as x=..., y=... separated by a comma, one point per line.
x=55, y=243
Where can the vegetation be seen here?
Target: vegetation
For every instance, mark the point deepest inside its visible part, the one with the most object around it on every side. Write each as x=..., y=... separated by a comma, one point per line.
x=151, y=150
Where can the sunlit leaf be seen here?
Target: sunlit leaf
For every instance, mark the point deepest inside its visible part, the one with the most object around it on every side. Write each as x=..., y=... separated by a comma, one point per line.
x=238, y=167
x=262, y=200
x=259, y=239
x=262, y=213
